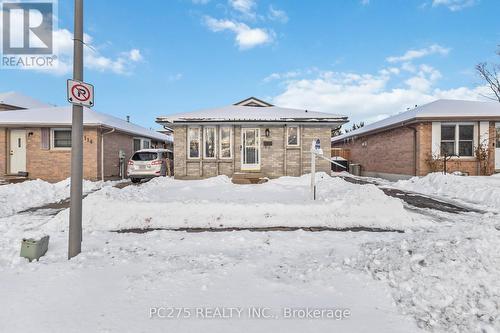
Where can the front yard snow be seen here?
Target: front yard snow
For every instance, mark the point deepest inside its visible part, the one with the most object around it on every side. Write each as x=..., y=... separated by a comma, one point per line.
x=217, y=203
x=33, y=193
x=482, y=191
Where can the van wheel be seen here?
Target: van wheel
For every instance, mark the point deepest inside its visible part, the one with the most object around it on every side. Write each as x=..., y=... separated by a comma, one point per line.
x=135, y=180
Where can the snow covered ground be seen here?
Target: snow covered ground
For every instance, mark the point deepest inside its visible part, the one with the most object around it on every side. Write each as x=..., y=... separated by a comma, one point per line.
x=34, y=193
x=439, y=275
x=483, y=191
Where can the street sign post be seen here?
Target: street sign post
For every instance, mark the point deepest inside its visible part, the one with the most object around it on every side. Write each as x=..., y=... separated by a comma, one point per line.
x=79, y=97
x=80, y=93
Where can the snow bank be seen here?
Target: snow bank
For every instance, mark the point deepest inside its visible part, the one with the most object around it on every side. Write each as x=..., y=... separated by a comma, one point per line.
x=217, y=203
x=483, y=191
x=34, y=193
x=447, y=280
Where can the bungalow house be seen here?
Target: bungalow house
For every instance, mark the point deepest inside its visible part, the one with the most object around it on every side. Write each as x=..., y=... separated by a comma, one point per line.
x=37, y=142
x=417, y=141
x=250, y=139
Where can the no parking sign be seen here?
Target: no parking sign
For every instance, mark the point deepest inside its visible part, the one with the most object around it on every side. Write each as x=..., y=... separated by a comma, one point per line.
x=80, y=93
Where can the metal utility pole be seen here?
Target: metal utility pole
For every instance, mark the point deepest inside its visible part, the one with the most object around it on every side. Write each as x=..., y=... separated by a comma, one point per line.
x=75, y=210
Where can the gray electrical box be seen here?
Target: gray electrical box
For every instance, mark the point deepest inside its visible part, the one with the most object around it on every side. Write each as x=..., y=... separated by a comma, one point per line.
x=34, y=248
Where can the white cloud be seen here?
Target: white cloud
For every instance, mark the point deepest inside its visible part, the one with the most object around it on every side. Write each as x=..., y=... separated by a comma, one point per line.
x=245, y=36
x=454, y=5
x=277, y=15
x=245, y=7
x=415, y=54
x=369, y=97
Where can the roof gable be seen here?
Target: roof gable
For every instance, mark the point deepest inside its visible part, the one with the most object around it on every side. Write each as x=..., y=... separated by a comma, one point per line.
x=253, y=101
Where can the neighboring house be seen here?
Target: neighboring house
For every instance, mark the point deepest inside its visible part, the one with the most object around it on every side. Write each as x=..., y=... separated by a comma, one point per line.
x=38, y=141
x=15, y=101
x=414, y=142
x=251, y=136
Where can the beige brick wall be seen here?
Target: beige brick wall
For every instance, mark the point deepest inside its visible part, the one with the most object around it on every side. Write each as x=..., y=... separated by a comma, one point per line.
x=3, y=151
x=273, y=157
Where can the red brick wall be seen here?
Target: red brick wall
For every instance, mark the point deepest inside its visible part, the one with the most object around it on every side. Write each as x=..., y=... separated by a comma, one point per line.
x=392, y=152
x=113, y=143
x=385, y=152
x=55, y=164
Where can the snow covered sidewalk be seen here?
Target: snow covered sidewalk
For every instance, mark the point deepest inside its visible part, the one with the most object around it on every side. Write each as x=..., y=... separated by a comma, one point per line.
x=217, y=203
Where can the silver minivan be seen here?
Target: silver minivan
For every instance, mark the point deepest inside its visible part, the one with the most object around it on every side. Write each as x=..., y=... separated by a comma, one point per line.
x=149, y=163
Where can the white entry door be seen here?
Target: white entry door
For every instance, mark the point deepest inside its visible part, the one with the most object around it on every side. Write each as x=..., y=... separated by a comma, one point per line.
x=497, y=147
x=17, y=151
x=250, y=155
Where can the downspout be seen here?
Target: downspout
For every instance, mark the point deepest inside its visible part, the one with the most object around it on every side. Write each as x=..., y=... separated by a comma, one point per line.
x=414, y=149
x=102, y=151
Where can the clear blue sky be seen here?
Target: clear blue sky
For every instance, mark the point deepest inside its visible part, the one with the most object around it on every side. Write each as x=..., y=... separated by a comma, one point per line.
x=366, y=59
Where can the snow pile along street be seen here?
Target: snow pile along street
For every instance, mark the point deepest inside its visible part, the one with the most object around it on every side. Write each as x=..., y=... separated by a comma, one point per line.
x=447, y=279
x=34, y=193
x=482, y=191
x=217, y=203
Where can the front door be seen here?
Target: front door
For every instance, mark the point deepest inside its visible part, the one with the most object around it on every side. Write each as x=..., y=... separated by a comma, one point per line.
x=497, y=148
x=250, y=155
x=17, y=151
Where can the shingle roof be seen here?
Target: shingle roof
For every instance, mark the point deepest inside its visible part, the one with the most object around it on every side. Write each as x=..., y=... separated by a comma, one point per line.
x=440, y=109
x=13, y=98
x=61, y=116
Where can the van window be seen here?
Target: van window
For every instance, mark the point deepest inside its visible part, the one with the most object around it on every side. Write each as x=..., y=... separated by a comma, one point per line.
x=145, y=156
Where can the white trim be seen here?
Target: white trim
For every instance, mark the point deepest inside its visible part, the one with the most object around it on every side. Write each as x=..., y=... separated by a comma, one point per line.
x=245, y=166
x=52, y=137
x=230, y=128
x=205, y=128
x=298, y=136
x=199, y=143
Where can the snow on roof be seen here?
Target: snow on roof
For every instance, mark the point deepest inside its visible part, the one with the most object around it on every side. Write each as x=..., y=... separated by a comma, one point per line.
x=442, y=108
x=61, y=116
x=13, y=98
x=252, y=113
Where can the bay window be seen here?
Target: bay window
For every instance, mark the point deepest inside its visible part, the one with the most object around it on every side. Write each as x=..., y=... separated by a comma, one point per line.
x=209, y=139
x=225, y=139
x=193, y=142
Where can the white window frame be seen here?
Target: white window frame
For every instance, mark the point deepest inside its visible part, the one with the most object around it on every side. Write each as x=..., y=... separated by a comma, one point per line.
x=298, y=136
x=199, y=143
x=457, y=138
x=205, y=128
x=52, y=137
x=230, y=128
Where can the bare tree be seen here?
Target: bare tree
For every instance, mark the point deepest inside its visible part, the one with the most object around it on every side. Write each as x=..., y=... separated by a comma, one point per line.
x=491, y=74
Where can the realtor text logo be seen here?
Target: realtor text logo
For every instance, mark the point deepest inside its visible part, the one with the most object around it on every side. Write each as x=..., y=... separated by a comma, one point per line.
x=27, y=34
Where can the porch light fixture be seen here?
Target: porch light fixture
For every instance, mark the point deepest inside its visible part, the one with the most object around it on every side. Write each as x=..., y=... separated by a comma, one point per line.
x=267, y=132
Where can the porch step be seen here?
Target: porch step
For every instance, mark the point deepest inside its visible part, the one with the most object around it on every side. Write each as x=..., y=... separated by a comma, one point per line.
x=248, y=178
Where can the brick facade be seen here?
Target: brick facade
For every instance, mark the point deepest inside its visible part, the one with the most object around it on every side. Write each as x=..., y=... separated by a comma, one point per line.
x=276, y=159
x=404, y=151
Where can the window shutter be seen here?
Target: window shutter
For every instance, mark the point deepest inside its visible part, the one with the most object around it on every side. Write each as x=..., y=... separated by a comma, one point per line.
x=45, y=139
